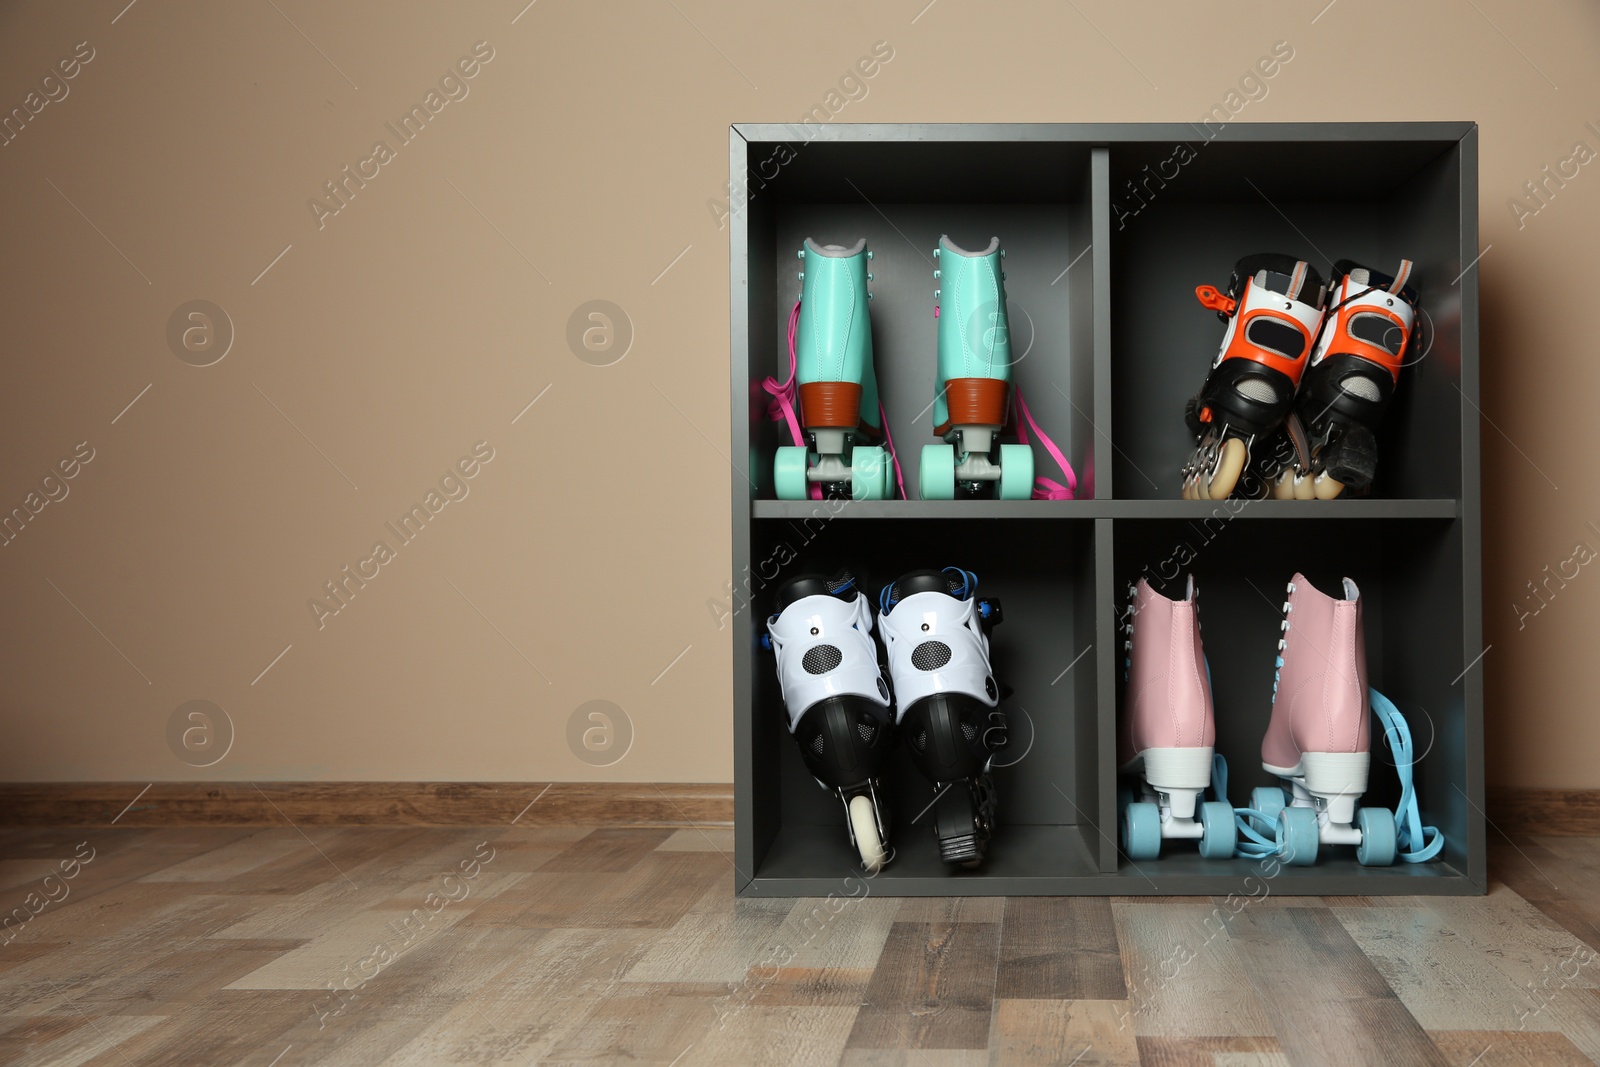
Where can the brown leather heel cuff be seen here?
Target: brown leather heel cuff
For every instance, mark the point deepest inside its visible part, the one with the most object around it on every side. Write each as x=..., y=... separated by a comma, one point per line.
x=830, y=405
x=975, y=402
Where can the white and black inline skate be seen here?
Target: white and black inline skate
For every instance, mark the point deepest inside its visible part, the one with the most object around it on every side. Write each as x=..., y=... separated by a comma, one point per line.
x=1273, y=308
x=837, y=701
x=936, y=630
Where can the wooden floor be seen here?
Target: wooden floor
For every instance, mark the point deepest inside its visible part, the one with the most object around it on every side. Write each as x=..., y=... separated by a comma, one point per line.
x=558, y=945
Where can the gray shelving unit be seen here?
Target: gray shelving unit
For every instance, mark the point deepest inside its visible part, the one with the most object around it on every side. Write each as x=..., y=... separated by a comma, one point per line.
x=1106, y=238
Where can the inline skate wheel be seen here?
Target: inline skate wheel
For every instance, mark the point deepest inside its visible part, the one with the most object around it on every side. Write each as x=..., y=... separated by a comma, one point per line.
x=1230, y=465
x=1016, y=472
x=1300, y=836
x=789, y=472
x=868, y=468
x=864, y=824
x=1326, y=487
x=1141, y=831
x=958, y=826
x=1378, y=838
x=1220, y=834
x=938, y=472
x=1292, y=486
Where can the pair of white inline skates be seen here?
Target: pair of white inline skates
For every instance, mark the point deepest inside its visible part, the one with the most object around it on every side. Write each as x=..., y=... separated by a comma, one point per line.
x=1318, y=742
x=846, y=719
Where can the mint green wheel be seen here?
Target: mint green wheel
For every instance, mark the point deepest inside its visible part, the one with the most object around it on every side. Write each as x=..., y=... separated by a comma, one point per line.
x=789, y=473
x=938, y=474
x=1016, y=472
x=867, y=468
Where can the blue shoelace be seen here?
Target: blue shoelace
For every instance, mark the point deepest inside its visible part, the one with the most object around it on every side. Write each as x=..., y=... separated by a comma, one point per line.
x=964, y=586
x=1261, y=835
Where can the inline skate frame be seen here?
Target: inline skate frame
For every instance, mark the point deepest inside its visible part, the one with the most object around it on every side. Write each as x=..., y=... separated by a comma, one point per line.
x=1168, y=731
x=832, y=382
x=936, y=631
x=837, y=701
x=1273, y=308
x=972, y=387
x=1354, y=369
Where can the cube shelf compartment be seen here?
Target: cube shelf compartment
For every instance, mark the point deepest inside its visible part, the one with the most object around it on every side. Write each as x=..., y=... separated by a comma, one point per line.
x=1106, y=239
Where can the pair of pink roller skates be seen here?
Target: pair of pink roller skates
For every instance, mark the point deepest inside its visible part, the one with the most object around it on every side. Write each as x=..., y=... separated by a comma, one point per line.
x=1318, y=741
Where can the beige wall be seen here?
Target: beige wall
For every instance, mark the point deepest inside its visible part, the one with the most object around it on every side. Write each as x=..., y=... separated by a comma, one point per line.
x=422, y=318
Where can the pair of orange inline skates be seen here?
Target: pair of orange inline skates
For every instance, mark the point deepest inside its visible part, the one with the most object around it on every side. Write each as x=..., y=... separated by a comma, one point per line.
x=1317, y=363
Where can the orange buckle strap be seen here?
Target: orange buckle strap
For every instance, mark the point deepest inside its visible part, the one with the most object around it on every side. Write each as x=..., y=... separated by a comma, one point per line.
x=1211, y=298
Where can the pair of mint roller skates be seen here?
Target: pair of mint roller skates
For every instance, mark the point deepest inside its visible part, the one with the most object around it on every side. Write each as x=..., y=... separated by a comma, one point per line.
x=1318, y=364
x=846, y=720
x=831, y=401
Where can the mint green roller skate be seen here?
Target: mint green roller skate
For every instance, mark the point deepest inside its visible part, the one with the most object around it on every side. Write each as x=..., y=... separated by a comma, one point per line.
x=972, y=393
x=838, y=426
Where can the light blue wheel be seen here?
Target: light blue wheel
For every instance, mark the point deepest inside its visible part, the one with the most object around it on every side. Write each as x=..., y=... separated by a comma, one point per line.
x=1141, y=831
x=1219, y=832
x=938, y=473
x=1378, y=838
x=1016, y=472
x=868, y=467
x=1300, y=836
x=789, y=473
x=1267, y=799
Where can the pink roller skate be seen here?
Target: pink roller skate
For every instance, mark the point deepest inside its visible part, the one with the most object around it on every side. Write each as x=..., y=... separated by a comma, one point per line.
x=1319, y=740
x=1168, y=730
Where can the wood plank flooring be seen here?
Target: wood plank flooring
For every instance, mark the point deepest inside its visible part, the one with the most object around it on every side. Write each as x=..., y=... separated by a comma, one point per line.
x=574, y=944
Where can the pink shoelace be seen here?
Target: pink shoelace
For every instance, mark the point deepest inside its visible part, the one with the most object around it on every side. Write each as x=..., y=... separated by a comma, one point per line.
x=1046, y=488
x=785, y=401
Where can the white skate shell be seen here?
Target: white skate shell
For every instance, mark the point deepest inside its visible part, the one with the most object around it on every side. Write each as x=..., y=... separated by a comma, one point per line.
x=1259, y=297
x=1384, y=306
x=824, y=649
x=937, y=645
